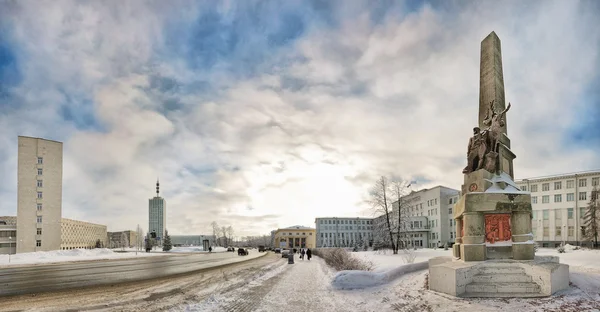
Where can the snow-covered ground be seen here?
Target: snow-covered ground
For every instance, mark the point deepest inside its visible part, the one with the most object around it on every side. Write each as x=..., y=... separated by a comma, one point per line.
x=384, y=260
x=307, y=286
x=57, y=256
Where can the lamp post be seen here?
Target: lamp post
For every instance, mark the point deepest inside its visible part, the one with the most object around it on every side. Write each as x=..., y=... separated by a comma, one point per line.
x=9, y=247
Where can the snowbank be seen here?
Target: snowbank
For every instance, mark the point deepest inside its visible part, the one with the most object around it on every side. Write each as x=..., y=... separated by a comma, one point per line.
x=385, y=260
x=364, y=279
x=68, y=255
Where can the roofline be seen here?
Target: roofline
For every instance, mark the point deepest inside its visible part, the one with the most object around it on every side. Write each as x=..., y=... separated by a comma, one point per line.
x=343, y=218
x=563, y=175
x=28, y=137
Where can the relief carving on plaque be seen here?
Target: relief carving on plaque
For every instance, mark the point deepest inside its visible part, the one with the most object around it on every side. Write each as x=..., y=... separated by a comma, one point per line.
x=497, y=228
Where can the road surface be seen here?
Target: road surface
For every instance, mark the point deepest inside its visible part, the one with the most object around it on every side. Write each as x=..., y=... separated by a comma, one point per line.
x=52, y=277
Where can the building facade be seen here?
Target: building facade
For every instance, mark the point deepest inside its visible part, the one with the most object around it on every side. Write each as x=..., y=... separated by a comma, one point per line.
x=122, y=239
x=157, y=216
x=82, y=235
x=343, y=232
x=559, y=203
x=425, y=217
x=39, y=194
x=193, y=240
x=295, y=237
x=8, y=235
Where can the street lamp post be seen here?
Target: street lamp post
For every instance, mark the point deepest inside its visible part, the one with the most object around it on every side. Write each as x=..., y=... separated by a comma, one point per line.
x=9, y=247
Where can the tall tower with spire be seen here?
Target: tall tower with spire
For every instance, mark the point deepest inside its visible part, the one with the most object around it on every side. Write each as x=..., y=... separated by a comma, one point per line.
x=157, y=215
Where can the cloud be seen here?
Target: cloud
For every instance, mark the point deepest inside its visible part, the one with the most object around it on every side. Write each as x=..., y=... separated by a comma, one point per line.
x=292, y=109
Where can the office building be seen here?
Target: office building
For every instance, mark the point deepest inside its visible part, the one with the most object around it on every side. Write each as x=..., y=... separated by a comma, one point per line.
x=157, y=216
x=8, y=235
x=344, y=232
x=82, y=235
x=193, y=240
x=39, y=194
x=122, y=239
x=559, y=204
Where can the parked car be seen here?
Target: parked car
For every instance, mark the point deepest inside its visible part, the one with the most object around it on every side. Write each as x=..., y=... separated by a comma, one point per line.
x=242, y=252
x=230, y=249
x=285, y=253
x=261, y=248
x=277, y=250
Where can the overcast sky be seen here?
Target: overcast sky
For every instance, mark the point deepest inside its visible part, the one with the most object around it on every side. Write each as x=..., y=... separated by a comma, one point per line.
x=268, y=114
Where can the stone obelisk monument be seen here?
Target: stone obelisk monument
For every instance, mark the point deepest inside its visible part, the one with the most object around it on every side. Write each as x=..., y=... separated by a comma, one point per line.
x=493, y=253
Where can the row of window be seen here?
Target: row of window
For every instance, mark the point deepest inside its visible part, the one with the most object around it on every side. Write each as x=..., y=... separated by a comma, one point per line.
x=558, y=185
x=347, y=227
x=557, y=231
x=558, y=198
x=558, y=213
x=345, y=222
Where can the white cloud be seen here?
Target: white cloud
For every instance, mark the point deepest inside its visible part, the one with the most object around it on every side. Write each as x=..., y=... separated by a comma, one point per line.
x=307, y=139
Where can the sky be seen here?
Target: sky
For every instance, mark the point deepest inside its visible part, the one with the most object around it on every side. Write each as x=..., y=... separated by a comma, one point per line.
x=268, y=114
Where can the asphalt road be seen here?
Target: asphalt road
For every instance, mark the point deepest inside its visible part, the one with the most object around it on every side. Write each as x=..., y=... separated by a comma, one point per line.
x=51, y=277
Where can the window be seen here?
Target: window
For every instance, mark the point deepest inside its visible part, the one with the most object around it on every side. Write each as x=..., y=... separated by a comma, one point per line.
x=557, y=214
x=570, y=197
x=569, y=213
x=449, y=211
x=557, y=231
x=38, y=243
x=39, y=207
x=546, y=231
x=557, y=198
x=545, y=199
x=581, y=212
x=571, y=231
x=582, y=195
x=39, y=219
x=570, y=184
x=534, y=188
x=557, y=185
x=39, y=231
x=39, y=183
x=39, y=171
x=534, y=215
x=545, y=187
x=39, y=195
x=595, y=181
x=534, y=199
x=40, y=160
x=583, y=183
x=524, y=188
x=546, y=214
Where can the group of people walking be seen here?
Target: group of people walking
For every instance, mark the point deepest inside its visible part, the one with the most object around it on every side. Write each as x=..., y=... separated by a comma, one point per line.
x=306, y=252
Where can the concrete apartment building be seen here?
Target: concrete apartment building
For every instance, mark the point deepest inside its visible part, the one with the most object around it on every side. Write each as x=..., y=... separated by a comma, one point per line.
x=559, y=204
x=77, y=234
x=157, y=216
x=343, y=232
x=430, y=222
x=295, y=237
x=8, y=235
x=39, y=194
x=122, y=239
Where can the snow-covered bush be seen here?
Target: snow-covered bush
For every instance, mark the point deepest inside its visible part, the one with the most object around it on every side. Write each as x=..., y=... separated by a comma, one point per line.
x=408, y=255
x=341, y=259
x=446, y=246
x=535, y=247
x=561, y=248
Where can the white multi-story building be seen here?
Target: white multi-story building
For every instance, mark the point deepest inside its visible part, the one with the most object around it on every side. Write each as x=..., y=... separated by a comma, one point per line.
x=559, y=203
x=8, y=235
x=344, y=232
x=82, y=235
x=436, y=205
x=39, y=194
x=157, y=216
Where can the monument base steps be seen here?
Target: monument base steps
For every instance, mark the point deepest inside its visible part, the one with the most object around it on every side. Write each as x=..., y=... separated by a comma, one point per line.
x=494, y=280
x=504, y=252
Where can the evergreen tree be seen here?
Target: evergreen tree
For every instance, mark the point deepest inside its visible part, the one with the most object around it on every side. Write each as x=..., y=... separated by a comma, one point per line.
x=98, y=244
x=591, y=219
x=167, y=242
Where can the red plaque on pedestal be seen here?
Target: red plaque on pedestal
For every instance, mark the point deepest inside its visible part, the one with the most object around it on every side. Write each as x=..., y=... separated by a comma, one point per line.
x=497, y=227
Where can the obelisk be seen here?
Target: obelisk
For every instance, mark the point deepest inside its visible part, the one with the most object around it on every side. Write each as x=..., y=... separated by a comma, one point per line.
x=491, y=80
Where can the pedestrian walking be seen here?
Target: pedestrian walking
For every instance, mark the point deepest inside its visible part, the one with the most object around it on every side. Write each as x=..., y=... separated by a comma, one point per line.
x=308, y=254
x=209, y=249
x=302, y=254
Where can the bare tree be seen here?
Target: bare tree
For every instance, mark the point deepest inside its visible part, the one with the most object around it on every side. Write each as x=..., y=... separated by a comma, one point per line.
x=591, y=219
x=124, y=240
x=400, y=207
x=229, y=233
x=224, y=235
x=382, y=205
x=216, y=231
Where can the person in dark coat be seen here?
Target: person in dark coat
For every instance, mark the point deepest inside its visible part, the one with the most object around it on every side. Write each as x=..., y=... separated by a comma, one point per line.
x=308, y=254
x=302, y=252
